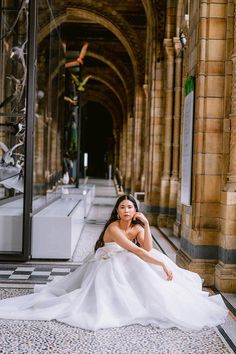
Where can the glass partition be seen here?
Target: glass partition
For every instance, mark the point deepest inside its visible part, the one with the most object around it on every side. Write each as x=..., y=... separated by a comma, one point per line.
x=48, y=154
x=46, y=114
x=13, y=76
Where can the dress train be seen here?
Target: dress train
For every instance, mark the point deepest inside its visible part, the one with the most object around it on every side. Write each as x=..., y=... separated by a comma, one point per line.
x=115, y=288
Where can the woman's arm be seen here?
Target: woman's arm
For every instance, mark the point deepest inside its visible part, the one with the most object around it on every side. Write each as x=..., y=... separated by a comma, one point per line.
x=122, y=241
x=144, y=236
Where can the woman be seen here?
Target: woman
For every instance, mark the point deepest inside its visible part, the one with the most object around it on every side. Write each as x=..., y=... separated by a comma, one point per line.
x=122, y=284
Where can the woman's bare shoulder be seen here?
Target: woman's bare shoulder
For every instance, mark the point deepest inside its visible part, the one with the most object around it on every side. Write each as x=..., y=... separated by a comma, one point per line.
x=113, y=226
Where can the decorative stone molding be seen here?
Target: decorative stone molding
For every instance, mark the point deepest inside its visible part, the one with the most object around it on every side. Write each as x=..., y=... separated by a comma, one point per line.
x=168, y=48
x=102, y=14
x=231, y=177
x=177, y=47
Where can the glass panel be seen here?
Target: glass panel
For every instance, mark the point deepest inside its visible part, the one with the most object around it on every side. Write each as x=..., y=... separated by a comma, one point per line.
x=48, y=156
x=13, y=74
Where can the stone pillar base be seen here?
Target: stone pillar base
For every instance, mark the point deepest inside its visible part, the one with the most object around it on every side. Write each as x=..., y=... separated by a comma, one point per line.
x=177, y=229
x=171, y=221
x=127, y=190
x=205, y=268
x=152, y=218
x=225, y=277
x=162, y=220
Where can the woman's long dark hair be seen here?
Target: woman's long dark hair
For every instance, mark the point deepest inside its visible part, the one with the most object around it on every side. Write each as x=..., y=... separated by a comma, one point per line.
x=114, y=217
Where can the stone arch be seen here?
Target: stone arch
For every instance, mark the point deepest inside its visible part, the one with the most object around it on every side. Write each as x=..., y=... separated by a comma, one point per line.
x=114, y=64
x=107, y=94
x=149, y=11
x=93, y=95
x=105, y=79
x=106, y=75
x=111, y=88
x=109, y=19
x=111, y=64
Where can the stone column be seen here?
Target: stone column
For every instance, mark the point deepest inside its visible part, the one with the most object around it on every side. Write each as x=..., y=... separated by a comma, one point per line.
x=123, y=148
x=225, y=275
x=169, y=90
x=129, y=154
x=48, y=123
x=200, y=229
x=116, y=148
x=174, y=180
x=153, y=152
x=138, y=148
x=39, y=154
x=153, y=89
x=53, y=141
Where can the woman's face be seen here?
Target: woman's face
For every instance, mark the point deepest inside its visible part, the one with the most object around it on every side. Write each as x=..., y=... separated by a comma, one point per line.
x=126, y=210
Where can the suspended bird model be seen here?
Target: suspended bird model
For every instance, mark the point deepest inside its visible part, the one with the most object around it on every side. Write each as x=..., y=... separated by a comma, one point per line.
x=71, y=100
x=12, y=177
x=80, y=84
x=16, y=95
x=80, y=60
x=23, y=8
x=7, y=157
x=18, y=55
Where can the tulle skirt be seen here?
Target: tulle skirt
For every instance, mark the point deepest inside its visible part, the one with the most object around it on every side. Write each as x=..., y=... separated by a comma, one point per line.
x=115, y=288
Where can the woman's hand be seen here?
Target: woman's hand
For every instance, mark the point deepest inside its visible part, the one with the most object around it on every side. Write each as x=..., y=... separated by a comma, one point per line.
x=168, y=273
x=140, y=217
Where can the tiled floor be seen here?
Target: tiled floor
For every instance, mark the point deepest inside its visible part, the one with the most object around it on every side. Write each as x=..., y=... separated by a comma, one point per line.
x=25, y=275
x=34, y=274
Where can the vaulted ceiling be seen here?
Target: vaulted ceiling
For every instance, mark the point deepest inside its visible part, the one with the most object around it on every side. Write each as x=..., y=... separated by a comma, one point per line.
x=116, y=32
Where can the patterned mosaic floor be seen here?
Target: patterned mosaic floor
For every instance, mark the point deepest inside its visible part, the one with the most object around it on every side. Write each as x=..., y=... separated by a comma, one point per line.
x=52, y=337
x=32, y=273
x=36, y=337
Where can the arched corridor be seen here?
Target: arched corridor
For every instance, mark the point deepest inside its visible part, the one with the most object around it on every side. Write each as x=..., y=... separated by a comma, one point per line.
x=170, y=99
x=97, y=139
x=137, y=93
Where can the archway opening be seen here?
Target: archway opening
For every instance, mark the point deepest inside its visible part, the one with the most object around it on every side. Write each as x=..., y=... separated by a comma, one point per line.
x=97, y=139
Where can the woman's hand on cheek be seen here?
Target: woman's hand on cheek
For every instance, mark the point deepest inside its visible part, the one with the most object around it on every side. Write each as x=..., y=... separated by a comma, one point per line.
x=141, y=217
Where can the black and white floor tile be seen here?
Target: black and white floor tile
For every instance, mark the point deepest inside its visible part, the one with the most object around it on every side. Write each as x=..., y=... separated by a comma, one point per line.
x=33, y=273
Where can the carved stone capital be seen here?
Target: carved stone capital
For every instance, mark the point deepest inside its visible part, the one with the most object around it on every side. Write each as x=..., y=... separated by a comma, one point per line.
x=169, y=48
x=177, y=46
x=48, y=120
x=145, y=90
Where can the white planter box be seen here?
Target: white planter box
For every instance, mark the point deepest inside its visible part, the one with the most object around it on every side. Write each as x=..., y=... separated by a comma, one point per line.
x=11, y=229
x=56, y=229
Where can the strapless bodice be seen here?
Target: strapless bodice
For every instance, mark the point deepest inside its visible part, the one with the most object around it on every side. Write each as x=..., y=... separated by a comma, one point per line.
x=108, y=250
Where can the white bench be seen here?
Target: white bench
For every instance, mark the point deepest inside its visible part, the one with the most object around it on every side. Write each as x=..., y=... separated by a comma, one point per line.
x=11, y=223
x=56, y=229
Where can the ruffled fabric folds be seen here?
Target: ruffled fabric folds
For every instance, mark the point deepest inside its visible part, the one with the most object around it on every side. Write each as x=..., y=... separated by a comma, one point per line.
x=116, y=288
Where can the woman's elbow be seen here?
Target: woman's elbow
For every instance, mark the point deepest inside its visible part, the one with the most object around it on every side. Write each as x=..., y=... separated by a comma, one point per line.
x=147, y=247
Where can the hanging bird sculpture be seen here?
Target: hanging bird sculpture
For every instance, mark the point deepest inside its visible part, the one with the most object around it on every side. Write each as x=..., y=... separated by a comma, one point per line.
x=80, y=59
x=80, y=84
x=15, y=97
x=23, y=8
x=71, y=100
x=7, y=157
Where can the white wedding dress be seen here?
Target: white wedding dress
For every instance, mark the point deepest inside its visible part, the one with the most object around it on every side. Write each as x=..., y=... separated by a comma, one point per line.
x=114, y=288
